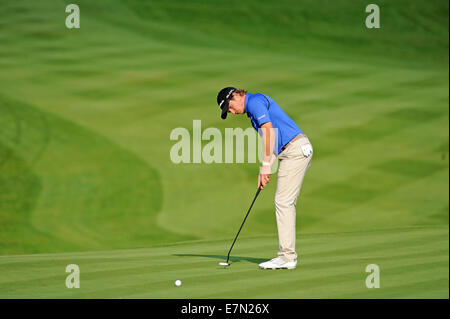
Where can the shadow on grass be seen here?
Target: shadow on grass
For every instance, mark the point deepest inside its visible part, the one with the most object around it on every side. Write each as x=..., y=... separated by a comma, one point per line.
x=233, y=259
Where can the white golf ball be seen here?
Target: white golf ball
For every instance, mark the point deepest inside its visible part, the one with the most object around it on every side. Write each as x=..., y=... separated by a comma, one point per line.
x=178, y=283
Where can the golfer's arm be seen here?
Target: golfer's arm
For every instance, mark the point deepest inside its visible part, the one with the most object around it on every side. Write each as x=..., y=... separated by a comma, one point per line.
x=268, y=139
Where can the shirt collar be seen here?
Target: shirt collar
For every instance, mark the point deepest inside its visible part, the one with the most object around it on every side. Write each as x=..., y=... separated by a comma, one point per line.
x=247, y=95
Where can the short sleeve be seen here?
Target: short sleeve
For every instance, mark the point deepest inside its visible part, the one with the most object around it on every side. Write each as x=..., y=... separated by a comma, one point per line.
x=258, y=108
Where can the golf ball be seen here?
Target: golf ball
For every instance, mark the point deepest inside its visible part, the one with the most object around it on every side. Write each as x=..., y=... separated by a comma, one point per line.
x=178, y=283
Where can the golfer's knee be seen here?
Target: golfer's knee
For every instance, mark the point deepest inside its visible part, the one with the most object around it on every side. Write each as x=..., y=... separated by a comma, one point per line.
x=283, y=203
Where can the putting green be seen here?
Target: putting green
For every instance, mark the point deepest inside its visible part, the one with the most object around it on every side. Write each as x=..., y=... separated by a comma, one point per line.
x=332, y=265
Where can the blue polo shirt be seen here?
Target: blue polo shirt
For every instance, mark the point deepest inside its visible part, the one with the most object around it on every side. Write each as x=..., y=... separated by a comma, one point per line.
x=259, y=112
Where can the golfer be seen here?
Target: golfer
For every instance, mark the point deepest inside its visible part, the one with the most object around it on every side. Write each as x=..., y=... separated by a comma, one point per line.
x=282, y=139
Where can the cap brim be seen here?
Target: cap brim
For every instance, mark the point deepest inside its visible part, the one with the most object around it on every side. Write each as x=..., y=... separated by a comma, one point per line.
x=225, y=111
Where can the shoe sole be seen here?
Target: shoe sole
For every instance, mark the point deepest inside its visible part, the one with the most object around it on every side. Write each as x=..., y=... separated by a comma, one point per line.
x=278, y=268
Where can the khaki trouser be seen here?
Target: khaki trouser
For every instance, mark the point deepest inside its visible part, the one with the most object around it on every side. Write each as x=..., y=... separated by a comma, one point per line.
x=292, y=169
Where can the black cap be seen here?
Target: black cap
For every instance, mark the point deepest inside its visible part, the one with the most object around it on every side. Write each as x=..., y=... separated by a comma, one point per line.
x=222, y=99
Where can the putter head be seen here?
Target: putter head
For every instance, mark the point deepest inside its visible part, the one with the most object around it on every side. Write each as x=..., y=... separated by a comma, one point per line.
x=224, y=264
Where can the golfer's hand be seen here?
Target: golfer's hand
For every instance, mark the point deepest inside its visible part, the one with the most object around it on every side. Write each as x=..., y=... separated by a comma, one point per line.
x=263, y=180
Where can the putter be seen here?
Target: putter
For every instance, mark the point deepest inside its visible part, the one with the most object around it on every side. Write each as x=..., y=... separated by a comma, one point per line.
x=228, y=257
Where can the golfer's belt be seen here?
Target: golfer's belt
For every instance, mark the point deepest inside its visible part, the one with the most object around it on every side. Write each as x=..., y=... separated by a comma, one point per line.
x=293, y=140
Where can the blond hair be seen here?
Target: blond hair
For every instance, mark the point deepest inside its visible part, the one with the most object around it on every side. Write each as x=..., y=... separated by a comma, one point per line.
x=240, y=92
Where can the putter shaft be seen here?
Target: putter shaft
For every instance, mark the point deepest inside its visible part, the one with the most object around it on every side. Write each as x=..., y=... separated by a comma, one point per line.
x=254, y=199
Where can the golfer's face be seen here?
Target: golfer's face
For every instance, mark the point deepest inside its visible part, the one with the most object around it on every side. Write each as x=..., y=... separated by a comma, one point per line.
x=235, y=105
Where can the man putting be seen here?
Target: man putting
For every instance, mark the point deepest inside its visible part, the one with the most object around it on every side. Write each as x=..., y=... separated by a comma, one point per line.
x=292, y=148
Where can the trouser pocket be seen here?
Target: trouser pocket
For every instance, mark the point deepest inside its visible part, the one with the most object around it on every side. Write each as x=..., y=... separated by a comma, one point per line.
x=307, y=149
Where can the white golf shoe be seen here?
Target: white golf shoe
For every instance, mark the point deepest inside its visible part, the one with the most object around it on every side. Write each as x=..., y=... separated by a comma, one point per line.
x=278, y=263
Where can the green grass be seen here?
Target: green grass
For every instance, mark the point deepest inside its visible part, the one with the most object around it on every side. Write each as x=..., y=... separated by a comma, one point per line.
x=332, y=265
x=85, y=172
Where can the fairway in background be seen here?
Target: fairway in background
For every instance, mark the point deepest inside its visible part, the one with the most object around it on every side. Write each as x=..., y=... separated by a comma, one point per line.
x=105, y=203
